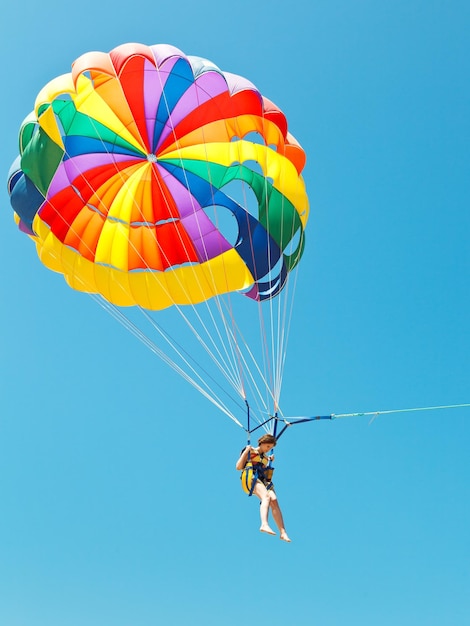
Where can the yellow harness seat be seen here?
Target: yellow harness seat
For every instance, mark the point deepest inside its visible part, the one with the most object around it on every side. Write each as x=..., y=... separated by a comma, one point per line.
x=256, y=469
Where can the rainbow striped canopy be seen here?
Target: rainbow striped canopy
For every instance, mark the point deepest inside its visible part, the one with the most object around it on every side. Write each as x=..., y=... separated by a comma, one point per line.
x=133, y=166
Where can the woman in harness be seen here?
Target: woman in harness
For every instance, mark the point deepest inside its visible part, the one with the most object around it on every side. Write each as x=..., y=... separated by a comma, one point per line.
x=254, y=465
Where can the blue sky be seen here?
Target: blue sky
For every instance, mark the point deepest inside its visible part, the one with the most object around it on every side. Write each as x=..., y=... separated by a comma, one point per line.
x=120, y=502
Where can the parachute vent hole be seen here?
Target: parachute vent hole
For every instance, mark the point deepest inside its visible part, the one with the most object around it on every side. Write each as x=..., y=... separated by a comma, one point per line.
x=254, y=166
x=294, y=243
x=224, y=221
x=273, y=288
x=172, y=267
x=243, y=195
x=87, y=74
x=274, y=271
x=255, y=137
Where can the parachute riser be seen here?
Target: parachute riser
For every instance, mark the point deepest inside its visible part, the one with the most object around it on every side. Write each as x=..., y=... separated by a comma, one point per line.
x=286, y=424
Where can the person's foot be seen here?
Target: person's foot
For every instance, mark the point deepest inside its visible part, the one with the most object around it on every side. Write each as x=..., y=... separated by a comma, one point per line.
x=267, y=529
x=284, y=536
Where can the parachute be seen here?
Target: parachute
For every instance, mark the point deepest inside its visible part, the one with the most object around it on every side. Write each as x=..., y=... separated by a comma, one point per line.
x=154, y=180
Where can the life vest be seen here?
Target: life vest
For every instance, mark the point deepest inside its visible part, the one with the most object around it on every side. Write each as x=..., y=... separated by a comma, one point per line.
x=256, y=468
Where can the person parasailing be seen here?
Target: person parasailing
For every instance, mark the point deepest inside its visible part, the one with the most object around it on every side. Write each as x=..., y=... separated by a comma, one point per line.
x=254, y=463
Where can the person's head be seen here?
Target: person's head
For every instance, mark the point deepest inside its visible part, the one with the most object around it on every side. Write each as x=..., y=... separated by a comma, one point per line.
x=266, y=443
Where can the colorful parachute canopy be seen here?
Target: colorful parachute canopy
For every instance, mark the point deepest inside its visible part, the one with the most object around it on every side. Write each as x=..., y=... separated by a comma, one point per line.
x=126, y=174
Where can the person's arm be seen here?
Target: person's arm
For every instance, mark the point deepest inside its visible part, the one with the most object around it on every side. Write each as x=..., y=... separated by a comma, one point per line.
x=243, y=458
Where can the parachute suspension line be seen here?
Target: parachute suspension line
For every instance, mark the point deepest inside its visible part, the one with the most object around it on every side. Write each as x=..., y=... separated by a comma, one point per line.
x=234, y=346
x=130, y=326
x=224, y=364
x=230, y=329
x=220, y=361
x=246, y=375
x=133, y=329
x=281, y=327
x=183, y=287
x=272, y=326
x=245, y=356
x=208, y=392
x=263, y=333
x=250, y=380
x=227, y=361
x=266, y=378
x=287, y=317
x=265, y=330
x=230, y=361
x=117, y=314
x=179, y=349
x=254, y=386
x=284, y=316
x=256, y=391
x=277, y=327
x=263, y=376
x=233, y=334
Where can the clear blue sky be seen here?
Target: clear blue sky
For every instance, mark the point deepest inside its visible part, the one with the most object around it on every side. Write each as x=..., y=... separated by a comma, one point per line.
x=119, y=500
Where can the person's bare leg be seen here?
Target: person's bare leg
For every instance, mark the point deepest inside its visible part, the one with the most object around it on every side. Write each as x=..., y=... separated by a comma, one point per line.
x=263, y=494
x=277, y=514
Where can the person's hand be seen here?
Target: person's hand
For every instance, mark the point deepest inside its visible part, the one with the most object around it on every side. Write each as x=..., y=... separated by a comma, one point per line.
x=271, y=457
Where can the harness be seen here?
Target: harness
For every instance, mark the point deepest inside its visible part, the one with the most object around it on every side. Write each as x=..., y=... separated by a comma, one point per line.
x=257, y=467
